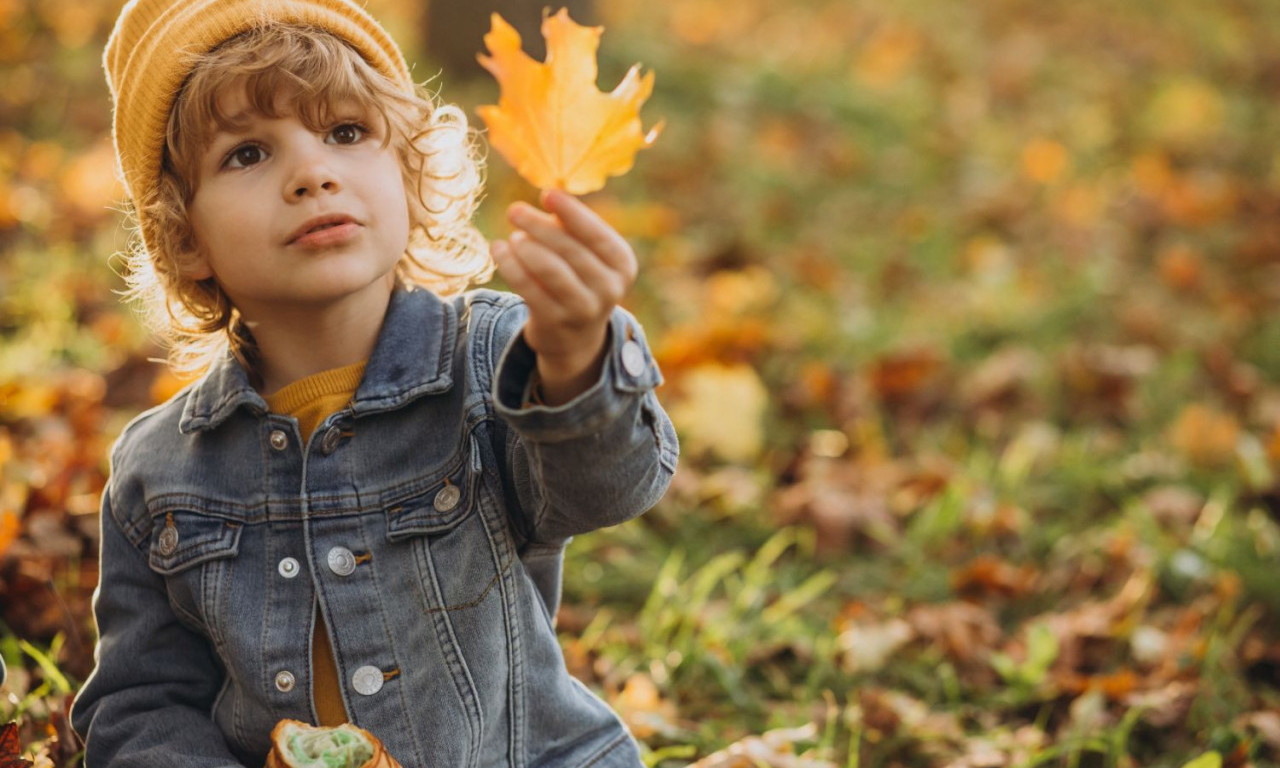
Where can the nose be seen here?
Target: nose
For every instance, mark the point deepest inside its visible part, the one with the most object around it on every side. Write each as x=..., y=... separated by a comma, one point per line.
x=310, y=175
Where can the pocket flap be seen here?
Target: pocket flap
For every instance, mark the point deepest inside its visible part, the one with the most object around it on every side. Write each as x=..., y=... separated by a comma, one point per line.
x=182, y=538
x=439, y=508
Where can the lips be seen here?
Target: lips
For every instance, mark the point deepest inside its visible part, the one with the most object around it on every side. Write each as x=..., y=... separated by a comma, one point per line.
x=324, y=229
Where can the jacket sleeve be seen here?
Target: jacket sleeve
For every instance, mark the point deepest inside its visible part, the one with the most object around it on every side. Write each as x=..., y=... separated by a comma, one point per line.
x=601, y=459
x=149, y=700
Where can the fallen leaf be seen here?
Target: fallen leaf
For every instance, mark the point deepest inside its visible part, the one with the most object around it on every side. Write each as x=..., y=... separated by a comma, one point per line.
x=846, y=502
x=1167, y=706
x=1205, y=436
x=963, y=631
x=11, y=748
x=10, y=526
x=906, y=375
x=551, y=122
x=867, y=647
x=990, y=576
x=722, y=411
x=1267, y=724
x=1044, y=160
x=773, y=749
x=887, y=56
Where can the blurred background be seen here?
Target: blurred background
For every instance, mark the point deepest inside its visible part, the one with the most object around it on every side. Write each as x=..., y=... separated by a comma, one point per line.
x=967, y=313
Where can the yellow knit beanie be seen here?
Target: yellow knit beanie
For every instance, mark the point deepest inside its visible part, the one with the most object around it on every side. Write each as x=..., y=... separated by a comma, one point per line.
x=151, y=51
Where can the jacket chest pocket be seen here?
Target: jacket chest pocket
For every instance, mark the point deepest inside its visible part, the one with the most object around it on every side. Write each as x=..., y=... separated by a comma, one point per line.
x=194, y=552
x=450, y=540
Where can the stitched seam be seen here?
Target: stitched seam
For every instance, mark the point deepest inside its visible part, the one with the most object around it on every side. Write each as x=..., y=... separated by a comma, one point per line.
x=448, y=642
x=515, y=692
x=604, y=752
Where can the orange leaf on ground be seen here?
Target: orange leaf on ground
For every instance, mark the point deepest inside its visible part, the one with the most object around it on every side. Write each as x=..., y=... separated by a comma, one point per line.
x=989, y=576
x=551, y=122
x=1205, y=436
x=9, y=529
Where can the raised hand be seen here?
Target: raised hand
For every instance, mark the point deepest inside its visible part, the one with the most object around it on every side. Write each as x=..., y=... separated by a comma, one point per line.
x=572, y=269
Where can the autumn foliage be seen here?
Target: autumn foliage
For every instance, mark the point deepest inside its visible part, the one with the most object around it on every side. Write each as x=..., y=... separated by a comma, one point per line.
x=967, y=316
x=550, y=121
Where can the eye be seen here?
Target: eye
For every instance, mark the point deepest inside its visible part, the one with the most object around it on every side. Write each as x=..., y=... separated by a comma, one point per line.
x=244, y=156
x=347, y=133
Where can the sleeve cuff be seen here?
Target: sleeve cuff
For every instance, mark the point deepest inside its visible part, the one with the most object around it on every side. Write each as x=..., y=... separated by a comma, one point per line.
x=628, y=372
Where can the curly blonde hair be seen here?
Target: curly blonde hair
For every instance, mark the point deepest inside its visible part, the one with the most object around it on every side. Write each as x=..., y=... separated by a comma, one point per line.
x=438, y=155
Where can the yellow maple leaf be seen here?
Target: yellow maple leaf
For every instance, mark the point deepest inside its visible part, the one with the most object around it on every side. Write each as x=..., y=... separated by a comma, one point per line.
x=722, y=411
x=551, y=122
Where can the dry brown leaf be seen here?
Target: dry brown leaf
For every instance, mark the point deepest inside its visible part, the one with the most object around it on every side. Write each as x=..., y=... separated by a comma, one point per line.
x=773, y=749
x=867, y=647
x=906, y=375
x=846, y=502
x=990, y=576
x=551, y=123
x=964, y=631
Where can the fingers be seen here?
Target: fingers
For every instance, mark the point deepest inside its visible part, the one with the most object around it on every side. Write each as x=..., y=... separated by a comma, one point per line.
x=548, y=285
x=545, y=230
x=570, y=266
x=586, y=226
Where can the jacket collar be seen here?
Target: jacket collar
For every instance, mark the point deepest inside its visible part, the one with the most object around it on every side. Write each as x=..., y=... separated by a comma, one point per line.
x=412, y=357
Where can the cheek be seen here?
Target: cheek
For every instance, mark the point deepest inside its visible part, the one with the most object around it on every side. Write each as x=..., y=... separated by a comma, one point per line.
x=194, y=258
x=396, y=205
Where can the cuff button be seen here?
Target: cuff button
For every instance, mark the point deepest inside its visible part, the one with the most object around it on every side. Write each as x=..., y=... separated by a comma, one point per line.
x=633, y=361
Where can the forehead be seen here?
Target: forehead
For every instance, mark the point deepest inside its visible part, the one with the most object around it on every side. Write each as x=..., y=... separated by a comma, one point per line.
x=239, y=101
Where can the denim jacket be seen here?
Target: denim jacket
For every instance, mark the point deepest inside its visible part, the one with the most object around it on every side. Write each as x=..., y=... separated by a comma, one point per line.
x=427, y=521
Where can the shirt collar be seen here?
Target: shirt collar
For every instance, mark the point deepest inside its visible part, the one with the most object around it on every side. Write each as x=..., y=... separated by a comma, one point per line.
x=412, y=357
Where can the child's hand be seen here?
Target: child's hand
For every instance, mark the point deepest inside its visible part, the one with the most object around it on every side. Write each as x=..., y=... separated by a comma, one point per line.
x=572, y=269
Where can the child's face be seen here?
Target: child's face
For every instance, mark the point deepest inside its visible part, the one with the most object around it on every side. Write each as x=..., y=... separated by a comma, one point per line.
x=288, y=218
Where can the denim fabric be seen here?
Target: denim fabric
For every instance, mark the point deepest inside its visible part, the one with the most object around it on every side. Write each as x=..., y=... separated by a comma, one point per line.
x=427, y=520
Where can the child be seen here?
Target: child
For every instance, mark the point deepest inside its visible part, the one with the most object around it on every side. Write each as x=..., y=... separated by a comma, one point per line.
x=359, y=512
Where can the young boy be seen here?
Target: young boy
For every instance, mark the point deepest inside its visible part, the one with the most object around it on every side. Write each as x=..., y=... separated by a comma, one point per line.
x=359, y=512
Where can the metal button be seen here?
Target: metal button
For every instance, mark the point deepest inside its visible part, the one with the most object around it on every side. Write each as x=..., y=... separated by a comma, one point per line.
x=633, y=357
x=329, y=443
x=285, y=681
x=289, y=568
x=367, y=680
x=169, y=539
x=447, y=498
x=279, y=440
x=341, y=561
